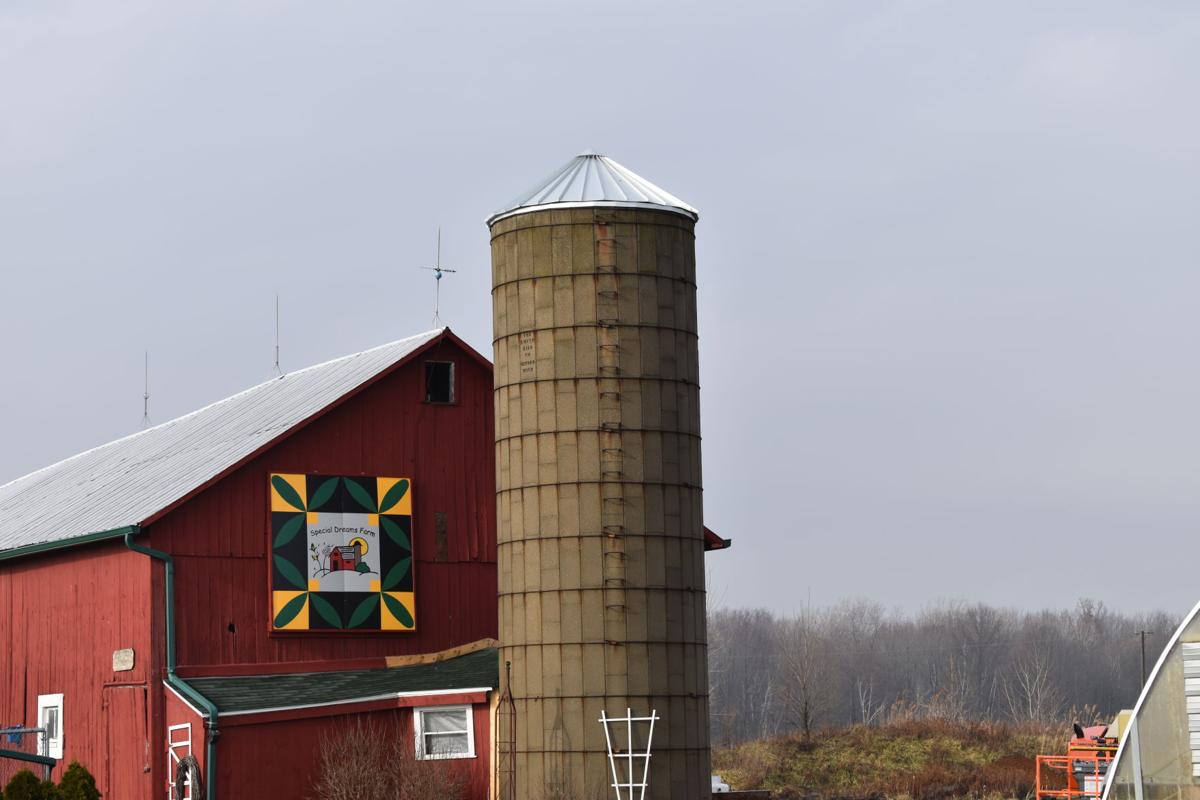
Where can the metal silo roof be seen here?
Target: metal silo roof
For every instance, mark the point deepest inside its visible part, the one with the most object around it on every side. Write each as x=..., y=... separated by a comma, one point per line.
x=592, y=180
x=99, y=493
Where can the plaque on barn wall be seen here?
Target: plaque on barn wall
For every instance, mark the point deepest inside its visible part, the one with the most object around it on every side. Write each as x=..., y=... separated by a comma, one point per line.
x=341, y=553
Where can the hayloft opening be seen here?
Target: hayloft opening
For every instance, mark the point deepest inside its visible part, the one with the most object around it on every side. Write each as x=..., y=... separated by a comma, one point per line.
x=439, y=381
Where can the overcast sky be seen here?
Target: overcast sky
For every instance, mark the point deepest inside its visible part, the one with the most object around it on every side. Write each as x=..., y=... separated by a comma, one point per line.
x=947, y=251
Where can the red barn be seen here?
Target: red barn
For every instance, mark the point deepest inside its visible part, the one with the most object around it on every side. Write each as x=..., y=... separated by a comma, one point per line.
x=236, y=583
x=344, y=557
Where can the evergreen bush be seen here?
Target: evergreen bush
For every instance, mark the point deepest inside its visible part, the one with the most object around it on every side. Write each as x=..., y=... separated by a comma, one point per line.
x=77, y=784
x=23, y=786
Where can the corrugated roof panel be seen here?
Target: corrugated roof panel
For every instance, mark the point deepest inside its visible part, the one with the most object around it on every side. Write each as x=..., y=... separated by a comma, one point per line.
x=127, y=481
x=590, y=180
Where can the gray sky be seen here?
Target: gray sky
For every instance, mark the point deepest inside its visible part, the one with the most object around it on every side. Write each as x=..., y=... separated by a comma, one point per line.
x=948, y=251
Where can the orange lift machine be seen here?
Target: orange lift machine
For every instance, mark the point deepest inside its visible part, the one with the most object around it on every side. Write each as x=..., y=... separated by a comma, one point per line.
x=1079, y=775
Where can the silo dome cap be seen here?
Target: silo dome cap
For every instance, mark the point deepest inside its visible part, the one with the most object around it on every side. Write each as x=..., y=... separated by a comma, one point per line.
x=591, y=180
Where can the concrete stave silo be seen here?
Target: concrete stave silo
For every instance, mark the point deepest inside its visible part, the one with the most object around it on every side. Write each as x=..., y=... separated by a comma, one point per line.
x=600, y=551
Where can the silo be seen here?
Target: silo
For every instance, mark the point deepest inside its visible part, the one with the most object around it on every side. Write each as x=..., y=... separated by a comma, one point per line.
x=602, y=604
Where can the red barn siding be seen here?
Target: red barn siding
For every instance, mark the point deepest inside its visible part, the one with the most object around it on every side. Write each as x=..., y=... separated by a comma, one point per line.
x=219, y=537
x=126, y=732
x=177, y=712
x=281, y=759
x=64, y=615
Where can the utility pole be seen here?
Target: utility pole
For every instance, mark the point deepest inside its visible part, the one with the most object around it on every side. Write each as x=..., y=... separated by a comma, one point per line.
x=1144, y=634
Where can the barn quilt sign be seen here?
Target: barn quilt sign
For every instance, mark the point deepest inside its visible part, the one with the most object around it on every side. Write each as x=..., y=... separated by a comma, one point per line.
x=341, y=553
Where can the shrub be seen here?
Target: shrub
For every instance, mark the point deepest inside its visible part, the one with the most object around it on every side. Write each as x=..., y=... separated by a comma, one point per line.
x=366, y=761
x=1012, y=776
x=915, y=759
x=78, y=784
x=936, y=782
x=23, y=786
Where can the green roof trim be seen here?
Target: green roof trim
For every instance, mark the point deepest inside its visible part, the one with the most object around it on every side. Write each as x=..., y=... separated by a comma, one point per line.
x=249, y=693
x=32, y=758
x=62, y=544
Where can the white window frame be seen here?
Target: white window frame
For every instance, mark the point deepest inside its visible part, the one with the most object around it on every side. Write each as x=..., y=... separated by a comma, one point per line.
x=52, y=747
x=419, y=731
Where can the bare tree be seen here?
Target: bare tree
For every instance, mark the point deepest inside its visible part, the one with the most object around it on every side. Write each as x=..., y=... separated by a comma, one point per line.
x=952, y=698
x=1031, y=691
x=870, y=710
x=855, y=664
x=373, y=761
x=742, y=671
x=804, y=674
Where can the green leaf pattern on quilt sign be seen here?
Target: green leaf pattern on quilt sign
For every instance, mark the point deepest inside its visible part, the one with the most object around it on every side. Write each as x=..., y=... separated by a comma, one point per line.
x=363, y=611
x=322, y=494
x=398, y=610
x=289, y=572
x=395, y=533
x=287, y=493
x=326, y=610
x=396, y=573
x=290, y=610
x=394, y=495
x=360, y=495
x=289, y=531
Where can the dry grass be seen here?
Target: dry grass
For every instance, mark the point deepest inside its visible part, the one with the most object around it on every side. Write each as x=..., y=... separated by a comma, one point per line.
x=930, y=759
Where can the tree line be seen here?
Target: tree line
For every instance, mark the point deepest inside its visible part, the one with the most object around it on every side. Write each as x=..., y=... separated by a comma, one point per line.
x=855, y=663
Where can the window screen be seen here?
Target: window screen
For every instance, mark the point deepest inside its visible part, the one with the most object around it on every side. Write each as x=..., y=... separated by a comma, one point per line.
x=439, y=382
x=445, y=733
x=50, y=722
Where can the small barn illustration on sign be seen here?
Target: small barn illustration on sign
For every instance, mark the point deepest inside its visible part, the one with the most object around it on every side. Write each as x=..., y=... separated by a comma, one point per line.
x=341, y=553
x=346, y=557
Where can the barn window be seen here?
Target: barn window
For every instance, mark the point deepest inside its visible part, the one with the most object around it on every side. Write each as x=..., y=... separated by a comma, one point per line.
x=50, y=717
x=439, y=381
x=444, y=732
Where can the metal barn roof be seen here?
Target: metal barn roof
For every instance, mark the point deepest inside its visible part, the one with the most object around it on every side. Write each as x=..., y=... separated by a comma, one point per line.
x=590, y=180
x=126, y=482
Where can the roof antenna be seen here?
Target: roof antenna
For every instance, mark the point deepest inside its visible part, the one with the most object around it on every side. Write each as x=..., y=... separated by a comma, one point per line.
x=278, y=371
x=146, y=395
x=438, y=271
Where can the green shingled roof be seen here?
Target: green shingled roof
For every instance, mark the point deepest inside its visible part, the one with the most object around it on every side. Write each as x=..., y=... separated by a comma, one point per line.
x=262, y=692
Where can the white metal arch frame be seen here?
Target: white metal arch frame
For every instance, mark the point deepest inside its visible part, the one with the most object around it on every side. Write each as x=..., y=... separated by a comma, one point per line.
x=1129, y=746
